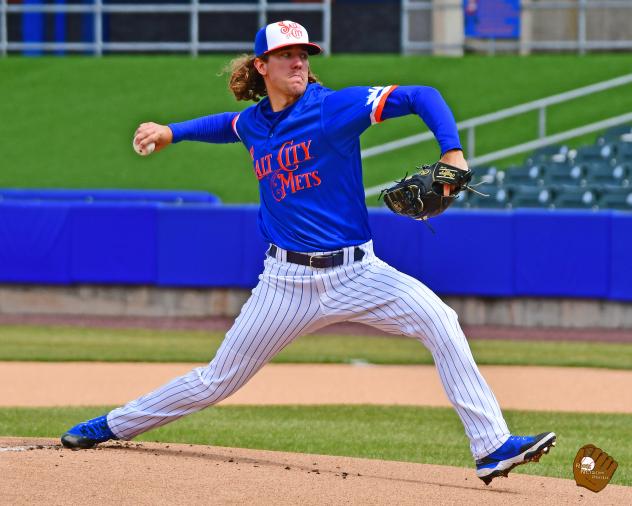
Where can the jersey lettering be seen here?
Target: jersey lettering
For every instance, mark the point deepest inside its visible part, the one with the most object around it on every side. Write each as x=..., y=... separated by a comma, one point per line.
x=284, y=176
x=283, y=183
x=288, y=154
x=263, y=166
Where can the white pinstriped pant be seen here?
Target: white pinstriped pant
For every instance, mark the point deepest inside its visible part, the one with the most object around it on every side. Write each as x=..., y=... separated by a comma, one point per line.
x=291, y=300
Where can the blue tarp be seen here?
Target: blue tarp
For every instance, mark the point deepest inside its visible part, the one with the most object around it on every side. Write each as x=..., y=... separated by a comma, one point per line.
x=560, y=253
x=35, y=243
x=534, y=253
x=208, y=246
x=619, y=263
x=114, y=243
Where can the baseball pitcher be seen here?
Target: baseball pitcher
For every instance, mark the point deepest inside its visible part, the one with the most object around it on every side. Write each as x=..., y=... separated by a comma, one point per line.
x=320, y=268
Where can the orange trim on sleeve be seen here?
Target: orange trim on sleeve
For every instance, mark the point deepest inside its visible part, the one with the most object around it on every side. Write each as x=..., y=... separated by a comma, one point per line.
x=234, y=125
x=380, y=106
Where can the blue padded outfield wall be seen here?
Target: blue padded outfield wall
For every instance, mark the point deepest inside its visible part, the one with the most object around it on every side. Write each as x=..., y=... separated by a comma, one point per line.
x=197, y=243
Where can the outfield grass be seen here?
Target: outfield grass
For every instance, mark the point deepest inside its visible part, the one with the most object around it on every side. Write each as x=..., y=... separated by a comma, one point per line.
x=415, y=434
x=80, y=113
x=140, y=345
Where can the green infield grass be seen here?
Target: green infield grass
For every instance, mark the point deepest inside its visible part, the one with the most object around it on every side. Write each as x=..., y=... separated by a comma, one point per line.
x=142, y=345
x=80, y=113
x=415, y=434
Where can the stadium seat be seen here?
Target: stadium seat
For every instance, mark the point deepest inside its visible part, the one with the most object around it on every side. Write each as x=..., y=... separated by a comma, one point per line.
x=613, y=135
x=555, y=153
x=573, y=197
x=527, y=175
x=624, y=152
x=565, y=174
x=591, y=154
x=609, y=151
x=531, y=196
x=494, y=197
x=615, y=197
x=599, y=174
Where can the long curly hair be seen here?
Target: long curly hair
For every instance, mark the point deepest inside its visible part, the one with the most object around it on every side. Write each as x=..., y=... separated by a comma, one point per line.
x=245, y=81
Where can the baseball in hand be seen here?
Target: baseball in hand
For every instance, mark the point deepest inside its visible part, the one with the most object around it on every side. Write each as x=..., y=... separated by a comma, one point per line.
x=148, y=150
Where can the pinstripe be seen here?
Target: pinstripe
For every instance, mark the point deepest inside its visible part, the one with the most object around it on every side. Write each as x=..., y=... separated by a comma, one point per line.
x=462, y=341
x=290, y=300
x=266, y=344
x=298, y=329
x=182, y=387
x=455, y=355
x=289, y=330
x=256, y=352
x=383, y=305
x=468, y=420
x=245, y=342
x=343, y=303
x=464, y=356
x=260, y=333
x=445, y=342
x=444, y=360
x=176, y=387
x=398, y=314
x=179, y=385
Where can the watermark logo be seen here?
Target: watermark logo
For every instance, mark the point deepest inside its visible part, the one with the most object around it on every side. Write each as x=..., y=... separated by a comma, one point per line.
x=593, y=468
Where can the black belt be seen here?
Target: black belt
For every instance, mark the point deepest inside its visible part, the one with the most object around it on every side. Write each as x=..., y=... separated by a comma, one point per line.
x=317, y=261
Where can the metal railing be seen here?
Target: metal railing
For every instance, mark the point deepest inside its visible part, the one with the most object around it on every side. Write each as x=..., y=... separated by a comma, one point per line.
x=4, y=28
x=552, y=139
x=409, y=6
x=581, y=44
x=194, y=9
x=540, y=105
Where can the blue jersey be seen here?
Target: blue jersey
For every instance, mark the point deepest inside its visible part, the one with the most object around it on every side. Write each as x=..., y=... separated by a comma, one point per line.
x=307, y=157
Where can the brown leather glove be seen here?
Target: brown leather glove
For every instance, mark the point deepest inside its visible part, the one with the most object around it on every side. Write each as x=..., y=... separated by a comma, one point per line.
x=593, y=468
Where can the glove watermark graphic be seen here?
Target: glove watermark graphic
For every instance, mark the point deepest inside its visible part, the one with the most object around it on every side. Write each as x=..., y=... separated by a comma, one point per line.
x=593, y=468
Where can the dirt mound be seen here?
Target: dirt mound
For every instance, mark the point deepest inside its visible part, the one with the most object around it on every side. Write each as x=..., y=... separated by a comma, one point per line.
x=39, y=471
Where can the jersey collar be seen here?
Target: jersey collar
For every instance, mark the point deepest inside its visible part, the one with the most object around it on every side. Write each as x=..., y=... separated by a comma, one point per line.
x=297, y=107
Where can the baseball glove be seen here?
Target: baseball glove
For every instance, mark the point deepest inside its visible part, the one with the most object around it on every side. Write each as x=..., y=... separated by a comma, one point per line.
x=421, y=195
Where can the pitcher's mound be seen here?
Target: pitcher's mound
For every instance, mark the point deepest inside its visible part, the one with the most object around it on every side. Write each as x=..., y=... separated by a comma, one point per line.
x=40, y=471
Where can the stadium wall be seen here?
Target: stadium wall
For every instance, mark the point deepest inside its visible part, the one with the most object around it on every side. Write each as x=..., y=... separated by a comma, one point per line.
x=490, y=253
x=151, y=258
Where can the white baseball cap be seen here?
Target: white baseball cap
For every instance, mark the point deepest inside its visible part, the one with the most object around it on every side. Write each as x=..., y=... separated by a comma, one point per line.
x=282, y=34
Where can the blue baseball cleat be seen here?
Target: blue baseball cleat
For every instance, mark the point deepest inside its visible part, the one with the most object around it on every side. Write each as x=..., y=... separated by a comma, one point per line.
x=88, y=434
x=516, y=450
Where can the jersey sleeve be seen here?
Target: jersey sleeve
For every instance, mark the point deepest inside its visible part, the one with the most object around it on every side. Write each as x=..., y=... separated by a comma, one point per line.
x=430, y=106
x=216, y=128
x=349, y=112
